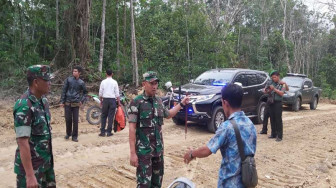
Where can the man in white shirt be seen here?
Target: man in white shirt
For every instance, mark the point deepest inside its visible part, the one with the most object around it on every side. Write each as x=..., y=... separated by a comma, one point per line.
x=108, y=93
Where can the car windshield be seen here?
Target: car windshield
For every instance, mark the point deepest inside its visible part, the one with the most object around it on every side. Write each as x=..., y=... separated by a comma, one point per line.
x=214, y=78
x=293, y=81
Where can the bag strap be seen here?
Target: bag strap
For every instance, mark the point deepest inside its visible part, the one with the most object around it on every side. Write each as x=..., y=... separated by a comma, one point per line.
x=239, y=140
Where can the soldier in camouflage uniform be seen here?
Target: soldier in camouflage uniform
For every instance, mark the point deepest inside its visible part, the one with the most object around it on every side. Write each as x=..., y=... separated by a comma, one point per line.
x=34, y=163
x=146, y=115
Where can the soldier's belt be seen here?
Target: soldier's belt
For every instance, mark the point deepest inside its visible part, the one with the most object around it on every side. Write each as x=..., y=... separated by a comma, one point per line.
x=73, y=104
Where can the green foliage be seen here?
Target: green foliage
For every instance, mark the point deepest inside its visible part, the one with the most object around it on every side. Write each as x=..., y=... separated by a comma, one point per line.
x=251, y=38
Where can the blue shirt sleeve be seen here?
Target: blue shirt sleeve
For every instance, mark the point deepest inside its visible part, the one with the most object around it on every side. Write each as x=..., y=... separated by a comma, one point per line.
x=219, y=139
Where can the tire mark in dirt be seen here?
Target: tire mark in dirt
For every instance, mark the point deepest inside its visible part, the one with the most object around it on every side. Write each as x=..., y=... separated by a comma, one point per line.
x=297, y=175
x=103, y=176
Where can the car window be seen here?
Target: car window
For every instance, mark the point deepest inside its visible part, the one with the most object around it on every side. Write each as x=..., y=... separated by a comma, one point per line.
x=261, y=78
x=242, y=79
x=252, y=80
x=293, y=81
x=308, y=83
x=214, y=77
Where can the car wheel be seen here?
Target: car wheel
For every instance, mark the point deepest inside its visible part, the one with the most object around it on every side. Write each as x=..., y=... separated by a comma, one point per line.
x=313, y=105
x=261, y=111
x=297, y=104
x=178, y=121
x=218, y=117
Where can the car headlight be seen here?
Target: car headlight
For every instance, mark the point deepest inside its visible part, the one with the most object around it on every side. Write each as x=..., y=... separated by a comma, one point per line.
x=289, y=94
x=200, y=98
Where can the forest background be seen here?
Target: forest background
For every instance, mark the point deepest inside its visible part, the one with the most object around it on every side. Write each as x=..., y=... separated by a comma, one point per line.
x=177, y=38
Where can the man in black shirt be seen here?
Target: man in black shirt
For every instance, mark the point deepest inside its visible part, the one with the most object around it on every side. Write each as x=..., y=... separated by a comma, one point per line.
x=74, y=93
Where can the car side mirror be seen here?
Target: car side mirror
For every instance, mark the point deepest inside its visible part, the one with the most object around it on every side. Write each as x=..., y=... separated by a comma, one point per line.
x=191, y=81
x=305, y=87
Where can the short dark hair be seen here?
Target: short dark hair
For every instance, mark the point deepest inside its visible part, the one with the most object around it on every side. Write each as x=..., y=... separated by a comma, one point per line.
x=276, y=73
x=30, y=80
x=79, y=68
x=233, y=93
x=109, y=72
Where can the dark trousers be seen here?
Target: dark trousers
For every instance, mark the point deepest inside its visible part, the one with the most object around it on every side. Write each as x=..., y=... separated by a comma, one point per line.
x=276, y=119
x=266, y=117
x=71, y=120
x=108, y=111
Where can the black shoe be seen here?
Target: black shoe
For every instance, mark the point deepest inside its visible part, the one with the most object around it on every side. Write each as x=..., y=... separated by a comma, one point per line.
x=263, y=132
x=101, y=134
x=66, y=137
x=278, y=139
x=109, y=134
x=75, y=139
x=272, y=137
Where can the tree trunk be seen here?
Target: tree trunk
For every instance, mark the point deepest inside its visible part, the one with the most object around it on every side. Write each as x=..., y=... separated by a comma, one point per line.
x=21, y=33
x=134, y=52
x=188, y=44
x=284, y=6
x=117, y=16
x=101, y=53
x=57, y=23
x=82, y=31
x=124, y=41
x=125, y=16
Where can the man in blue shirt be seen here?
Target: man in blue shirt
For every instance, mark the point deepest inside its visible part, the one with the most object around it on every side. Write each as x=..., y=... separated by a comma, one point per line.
x=225, y=139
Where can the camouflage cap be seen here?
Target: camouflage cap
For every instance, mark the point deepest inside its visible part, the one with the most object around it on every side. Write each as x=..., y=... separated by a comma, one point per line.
x=274, y=72
x=39, y=71
x=150, y=76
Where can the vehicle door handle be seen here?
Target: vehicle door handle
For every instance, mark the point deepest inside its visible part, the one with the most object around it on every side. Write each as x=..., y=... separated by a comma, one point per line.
x=245, y=93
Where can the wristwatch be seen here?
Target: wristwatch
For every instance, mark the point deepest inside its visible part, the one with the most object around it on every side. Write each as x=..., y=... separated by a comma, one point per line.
x=190, y=155
x=182, y=105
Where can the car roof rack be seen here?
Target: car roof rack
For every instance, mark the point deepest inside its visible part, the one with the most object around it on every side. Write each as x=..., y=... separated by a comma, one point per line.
x=297, y=75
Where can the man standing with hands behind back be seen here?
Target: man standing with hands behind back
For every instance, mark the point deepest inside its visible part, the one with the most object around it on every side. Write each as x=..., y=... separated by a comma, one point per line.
x=74, y=93
x=146, y=113
x=108, y=93
x=34, y=164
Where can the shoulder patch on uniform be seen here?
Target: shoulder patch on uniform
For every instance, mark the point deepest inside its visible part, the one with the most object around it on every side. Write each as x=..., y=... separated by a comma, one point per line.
x=133, y=109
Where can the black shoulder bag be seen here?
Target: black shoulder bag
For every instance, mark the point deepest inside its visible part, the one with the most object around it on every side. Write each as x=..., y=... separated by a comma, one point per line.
x=248, y=167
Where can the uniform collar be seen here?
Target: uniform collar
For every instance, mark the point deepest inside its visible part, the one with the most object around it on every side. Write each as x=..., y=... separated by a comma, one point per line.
x=276, y=82
x=236, y=114
x=31, y=96
x=146, y=97
x=33, y=99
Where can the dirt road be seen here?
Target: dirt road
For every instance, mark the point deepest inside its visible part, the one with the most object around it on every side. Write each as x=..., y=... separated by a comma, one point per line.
x=305, y=158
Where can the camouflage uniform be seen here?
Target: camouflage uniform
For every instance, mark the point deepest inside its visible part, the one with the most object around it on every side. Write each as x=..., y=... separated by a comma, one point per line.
x=148, y=113
x=32, y=119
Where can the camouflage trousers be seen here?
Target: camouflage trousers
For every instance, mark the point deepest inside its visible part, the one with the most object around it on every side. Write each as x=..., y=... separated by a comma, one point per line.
x=150, y=171
x=46, y=179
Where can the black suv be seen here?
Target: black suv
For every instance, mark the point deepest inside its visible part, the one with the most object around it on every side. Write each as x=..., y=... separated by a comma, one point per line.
x=205, y=96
